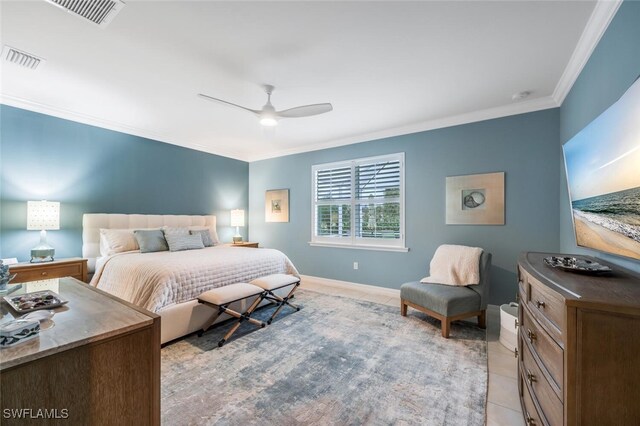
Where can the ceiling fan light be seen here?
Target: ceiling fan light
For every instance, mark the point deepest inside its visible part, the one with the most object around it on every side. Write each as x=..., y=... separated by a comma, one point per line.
x=268, y=121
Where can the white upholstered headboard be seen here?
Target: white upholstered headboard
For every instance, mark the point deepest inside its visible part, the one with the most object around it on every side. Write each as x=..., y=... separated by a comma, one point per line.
x=93, y=222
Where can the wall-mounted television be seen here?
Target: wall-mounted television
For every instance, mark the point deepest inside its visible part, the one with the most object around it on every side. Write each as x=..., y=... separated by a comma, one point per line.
x=603, y=174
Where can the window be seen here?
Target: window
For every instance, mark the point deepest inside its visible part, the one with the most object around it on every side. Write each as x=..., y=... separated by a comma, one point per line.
x=359, y=203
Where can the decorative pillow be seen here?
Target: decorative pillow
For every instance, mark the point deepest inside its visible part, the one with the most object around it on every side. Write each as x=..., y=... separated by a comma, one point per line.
x=151, y=240
x=213, y=235
x=114, y=241
x=178, y=242
x=205, y=234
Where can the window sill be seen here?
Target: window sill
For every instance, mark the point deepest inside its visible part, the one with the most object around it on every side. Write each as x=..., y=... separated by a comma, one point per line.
x=360, y=247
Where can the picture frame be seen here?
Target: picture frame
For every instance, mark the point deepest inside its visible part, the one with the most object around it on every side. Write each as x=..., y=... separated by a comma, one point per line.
x=475, y=199
x=276, y=205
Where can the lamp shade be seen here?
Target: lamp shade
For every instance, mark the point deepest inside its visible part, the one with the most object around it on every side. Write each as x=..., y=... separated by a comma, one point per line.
x=237, y=217
x=43, y=215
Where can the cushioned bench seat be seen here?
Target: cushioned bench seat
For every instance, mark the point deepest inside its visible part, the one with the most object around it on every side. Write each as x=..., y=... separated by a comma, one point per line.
x=229, y=293
x=275, y=281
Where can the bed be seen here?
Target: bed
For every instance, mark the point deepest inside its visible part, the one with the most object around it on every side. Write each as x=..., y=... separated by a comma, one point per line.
x=168, y=283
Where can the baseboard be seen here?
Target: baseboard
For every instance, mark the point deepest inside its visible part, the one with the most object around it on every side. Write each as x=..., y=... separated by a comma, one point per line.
x=347, y=285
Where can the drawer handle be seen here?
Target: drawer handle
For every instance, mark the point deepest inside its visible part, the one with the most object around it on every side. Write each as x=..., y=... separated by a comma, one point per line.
x=44, y=274
x=531, y=336
x=529, y=420
x=515, y=352
x=540, y=304
x=516, y=322
x=531, y=378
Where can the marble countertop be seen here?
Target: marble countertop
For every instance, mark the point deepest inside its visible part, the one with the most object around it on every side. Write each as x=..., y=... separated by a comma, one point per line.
x=89, y=316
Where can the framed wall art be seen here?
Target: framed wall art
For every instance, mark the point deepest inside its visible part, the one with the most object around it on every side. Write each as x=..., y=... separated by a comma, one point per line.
x=475, y=199
x=276, y=205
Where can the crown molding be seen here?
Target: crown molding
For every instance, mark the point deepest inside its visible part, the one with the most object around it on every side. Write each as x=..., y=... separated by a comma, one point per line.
x=598, y=22
x=516, y=108
x=486, y=114
x=91, y=120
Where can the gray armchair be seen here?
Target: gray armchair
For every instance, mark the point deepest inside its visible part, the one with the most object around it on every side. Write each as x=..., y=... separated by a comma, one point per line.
x=449, y=303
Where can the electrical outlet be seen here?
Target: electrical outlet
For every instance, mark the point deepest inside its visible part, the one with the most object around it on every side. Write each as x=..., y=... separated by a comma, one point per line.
x=355, y=265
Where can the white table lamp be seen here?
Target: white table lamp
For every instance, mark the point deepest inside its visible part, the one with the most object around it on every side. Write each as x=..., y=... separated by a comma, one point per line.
x=43, y=216
x=237, y=220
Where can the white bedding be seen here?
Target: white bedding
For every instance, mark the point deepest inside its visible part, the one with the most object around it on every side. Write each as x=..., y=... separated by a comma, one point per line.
x=157, y=280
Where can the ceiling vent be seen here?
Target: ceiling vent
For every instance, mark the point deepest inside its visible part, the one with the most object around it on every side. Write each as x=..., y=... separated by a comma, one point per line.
x=21, y=58
x=100, y=12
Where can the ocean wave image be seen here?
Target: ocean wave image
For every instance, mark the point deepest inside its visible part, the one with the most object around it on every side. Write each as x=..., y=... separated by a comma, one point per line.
x=627, y=230
x=618, y=211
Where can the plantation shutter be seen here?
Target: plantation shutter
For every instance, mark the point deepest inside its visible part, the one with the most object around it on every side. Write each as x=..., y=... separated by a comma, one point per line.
x=378, y=199
x=333, y=202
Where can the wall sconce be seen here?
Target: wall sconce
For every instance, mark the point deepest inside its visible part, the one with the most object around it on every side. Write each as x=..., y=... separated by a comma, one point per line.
x=43, y=216
x=237, y=220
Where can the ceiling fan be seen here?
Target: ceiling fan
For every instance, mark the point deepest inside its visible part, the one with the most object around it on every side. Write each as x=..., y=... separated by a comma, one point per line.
x=268, y=114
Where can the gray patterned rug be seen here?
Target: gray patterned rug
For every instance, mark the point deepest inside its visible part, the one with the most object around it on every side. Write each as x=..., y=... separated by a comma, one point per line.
x=337, y=361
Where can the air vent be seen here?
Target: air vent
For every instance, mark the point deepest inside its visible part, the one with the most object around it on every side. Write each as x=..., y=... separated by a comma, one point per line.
x=21, y=58
x=100, y=12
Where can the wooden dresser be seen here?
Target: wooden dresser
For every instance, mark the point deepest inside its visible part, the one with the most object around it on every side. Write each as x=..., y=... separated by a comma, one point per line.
x=578, y=345
x=72, y=267
x=97, y=362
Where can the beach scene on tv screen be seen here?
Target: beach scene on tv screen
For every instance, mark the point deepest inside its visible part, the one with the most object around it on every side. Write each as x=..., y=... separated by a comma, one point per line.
x=603, y=172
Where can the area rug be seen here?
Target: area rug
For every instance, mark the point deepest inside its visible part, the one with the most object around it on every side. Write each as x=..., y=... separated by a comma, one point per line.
x=337, y=361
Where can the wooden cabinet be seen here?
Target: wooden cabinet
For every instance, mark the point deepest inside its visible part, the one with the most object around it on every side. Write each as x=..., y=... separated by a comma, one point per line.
x=75, y=267
x=99, y=364
x=578, y=345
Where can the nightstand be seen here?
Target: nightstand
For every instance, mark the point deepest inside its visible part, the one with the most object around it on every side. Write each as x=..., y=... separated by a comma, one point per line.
x=242, y=244
x=73, y=267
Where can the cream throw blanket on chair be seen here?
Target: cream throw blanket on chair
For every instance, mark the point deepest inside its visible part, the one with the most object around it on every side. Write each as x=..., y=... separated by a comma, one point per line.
x=455, y=265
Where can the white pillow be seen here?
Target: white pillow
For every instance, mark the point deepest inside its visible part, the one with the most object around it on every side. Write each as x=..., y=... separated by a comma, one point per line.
x=114, y=241
x=174, y=230
x=212, y=232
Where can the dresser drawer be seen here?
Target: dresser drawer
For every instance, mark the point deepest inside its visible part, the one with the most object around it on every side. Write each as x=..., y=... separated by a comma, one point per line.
x=541, y=390
x=547, y=307
x=529, y=410
x=35, y=273
x=522, y=282
x=545, y=350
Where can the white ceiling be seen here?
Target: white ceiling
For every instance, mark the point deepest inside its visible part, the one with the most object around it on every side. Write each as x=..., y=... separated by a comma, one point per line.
x=388, y=68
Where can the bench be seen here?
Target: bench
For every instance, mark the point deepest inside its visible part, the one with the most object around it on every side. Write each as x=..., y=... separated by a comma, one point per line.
x=271, y=283
x=222, y=297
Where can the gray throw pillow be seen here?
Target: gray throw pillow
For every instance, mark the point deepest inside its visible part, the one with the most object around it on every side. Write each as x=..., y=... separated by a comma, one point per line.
x=151, y=240
x=206, y=236
x=184, y=242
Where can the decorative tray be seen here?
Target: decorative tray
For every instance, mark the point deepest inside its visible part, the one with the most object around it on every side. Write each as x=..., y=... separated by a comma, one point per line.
x=576, y=264
x=29, y=302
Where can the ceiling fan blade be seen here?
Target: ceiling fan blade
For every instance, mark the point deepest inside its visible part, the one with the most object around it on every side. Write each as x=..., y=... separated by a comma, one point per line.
x=305, y=111
x=210, y=98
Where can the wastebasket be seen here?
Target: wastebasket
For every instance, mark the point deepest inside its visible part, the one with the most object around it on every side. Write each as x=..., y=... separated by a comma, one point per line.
x=508, y=329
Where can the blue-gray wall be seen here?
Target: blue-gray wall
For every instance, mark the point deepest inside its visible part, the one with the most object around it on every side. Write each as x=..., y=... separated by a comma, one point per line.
x=524, y=146
x=611, y=70
x=93, y=170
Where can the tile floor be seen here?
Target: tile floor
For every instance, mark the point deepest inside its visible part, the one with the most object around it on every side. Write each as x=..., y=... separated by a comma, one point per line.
x=503, y=404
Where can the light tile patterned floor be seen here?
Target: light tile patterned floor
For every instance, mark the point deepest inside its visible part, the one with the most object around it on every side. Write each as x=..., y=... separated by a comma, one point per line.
x=503, y=405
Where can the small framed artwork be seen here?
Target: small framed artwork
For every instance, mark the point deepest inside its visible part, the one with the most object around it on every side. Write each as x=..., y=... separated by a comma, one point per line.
x=276, y=205
x=475, y=199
